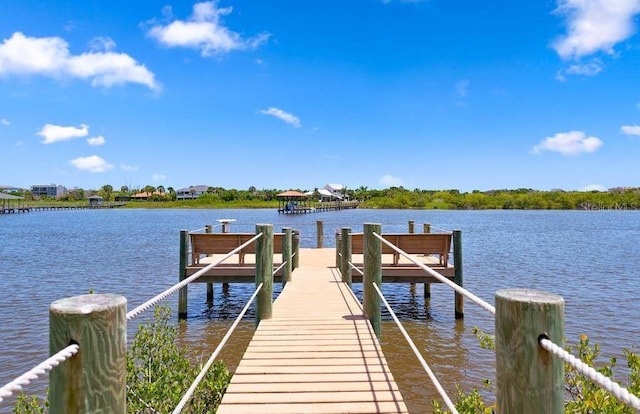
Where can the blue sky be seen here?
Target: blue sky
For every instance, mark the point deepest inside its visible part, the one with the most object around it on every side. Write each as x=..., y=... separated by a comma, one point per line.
x=433, y=94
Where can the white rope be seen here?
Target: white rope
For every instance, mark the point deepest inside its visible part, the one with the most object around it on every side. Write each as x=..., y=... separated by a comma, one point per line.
x=42, y=368
x=441, y=278
x=604, y=382
x=151, y=302
x=432, y=376
x=189, y=394
x=278, y=268
x=356, y=269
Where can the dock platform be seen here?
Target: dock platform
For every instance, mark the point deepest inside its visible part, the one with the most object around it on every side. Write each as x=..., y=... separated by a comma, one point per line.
x=317, y=354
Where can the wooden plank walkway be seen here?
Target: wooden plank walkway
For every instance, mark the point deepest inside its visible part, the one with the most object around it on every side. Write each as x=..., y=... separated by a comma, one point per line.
x=318, y=354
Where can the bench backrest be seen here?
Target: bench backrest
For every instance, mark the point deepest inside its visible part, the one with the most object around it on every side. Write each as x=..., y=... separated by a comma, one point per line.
x=412, y=243
x=222, y=243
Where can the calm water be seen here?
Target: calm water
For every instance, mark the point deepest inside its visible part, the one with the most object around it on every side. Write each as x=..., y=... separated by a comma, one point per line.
x=590, y=258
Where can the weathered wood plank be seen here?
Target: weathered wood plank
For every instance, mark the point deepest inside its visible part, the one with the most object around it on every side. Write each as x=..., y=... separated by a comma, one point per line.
x=318, y=354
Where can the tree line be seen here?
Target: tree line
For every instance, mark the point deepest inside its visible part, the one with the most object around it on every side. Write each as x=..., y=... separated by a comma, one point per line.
x=619, y=198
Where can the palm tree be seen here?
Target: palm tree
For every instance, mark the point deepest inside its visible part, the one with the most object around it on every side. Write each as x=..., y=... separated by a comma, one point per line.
x=107, y=190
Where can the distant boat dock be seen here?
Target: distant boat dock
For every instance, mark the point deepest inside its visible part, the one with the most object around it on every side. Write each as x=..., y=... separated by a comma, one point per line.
x=294, y=202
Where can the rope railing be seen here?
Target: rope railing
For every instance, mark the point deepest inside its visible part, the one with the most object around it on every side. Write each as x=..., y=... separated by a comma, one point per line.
x=189, y=394
x=599, y=379
x=354, y=267
x=413, y=347
x=153, y=301
x=483, y=304
x=40, y=369
x=277, y=269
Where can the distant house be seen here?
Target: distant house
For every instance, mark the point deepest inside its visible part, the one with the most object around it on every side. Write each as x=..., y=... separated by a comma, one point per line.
x=49, y=190
x=191, y=193
x=146, y=196
x=9, y=189
x=323, y=195
x=337, y=190
x=95, y=201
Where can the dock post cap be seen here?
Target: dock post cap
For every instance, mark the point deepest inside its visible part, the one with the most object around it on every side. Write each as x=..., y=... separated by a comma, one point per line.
x=528, y=295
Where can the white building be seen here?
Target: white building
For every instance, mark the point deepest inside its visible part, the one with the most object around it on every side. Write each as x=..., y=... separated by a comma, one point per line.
x=191, y=192
x=49, y=190
x=337, y=190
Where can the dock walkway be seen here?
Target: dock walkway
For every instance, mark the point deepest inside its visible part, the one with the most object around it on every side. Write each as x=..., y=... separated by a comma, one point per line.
x=317, y=354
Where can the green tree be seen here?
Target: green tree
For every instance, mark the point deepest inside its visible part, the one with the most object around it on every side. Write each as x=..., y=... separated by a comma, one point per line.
x=106, y=192
x=158, y=374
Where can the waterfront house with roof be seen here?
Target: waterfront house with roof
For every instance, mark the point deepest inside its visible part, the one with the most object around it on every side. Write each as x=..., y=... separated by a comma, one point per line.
x=191, y=192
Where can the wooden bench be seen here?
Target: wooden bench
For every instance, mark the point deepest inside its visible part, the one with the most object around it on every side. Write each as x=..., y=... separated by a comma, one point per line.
x=204, y=244
x=433, y=247
x=412, y=243
x=223, y=243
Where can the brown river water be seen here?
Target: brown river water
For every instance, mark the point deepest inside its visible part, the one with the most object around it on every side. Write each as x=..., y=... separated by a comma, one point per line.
x=588, y=257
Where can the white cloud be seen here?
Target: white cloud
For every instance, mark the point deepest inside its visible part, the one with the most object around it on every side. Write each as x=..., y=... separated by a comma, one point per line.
x=5, y=122
x=203, y=30
x=593, y=187
x=568, y=143
x=50, y=56
x=285, y=116
x=462, y=88
x=390, y=181
x=56, y=133
x=587, y=69
x=96, y=141
x=102, y=44
x=93, y=164
x=125, y=167
x=595, y=26
x=630, y=130
x=158, y=177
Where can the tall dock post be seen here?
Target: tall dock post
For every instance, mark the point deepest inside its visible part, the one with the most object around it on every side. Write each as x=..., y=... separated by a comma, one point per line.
x=338, y=249
x=345, y=251
x=95, y=379
x=182, y=293
x=457, y=277
x=226, y=227
x=295, y=247
x=426, y=229
x=264, y=271
x=286, y=255
x=411, y=229
x=319, y=234
x=529, y=379
x=209, y=229
x=372, y=274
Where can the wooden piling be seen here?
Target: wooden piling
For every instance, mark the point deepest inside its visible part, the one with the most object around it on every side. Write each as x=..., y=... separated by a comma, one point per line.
x=338, y=249
x=182, y=293
x=345, y=250
x=286, y=254
x=372, y=274
x=209, y=229
x=226, y=227
x=264, y=271
x=426, y=228
x=412, y=285
x=295, y=247
x=95, y=379
x=319, y=234
x=529, y=379
x=457, y=277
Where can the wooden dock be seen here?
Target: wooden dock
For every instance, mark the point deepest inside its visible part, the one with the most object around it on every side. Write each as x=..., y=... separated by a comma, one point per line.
x=318, y=353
